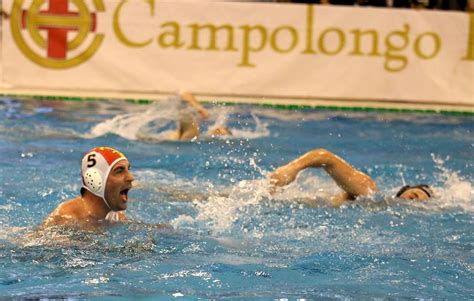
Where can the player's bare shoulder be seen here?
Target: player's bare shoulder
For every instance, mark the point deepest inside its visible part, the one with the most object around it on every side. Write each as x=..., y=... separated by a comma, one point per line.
x=68, y=212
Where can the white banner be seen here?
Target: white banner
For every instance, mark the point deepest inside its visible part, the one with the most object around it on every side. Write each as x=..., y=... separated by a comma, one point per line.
x=239, y=49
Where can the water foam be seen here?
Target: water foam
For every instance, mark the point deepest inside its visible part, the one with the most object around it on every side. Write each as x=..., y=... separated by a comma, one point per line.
x=135, y=125
x=155, y=122
x=223, y=206
x=261, y=130
x=221, y=212
x=456, y=192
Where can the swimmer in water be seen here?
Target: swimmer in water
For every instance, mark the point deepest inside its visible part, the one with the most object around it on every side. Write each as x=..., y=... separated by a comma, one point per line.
x=354, y=182
x=188, y=124
x=106, y=181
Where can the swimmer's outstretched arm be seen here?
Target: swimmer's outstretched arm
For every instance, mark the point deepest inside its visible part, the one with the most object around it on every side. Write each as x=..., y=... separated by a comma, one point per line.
x=189, y=98
x=354, y=182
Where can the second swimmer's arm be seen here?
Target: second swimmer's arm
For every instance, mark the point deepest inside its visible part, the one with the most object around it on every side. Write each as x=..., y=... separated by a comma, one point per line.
x=352, y=181
x=189, y=98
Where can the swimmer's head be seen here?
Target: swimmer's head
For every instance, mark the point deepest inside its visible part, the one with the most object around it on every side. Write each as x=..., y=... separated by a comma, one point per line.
x=420, y=192
x=96, y=166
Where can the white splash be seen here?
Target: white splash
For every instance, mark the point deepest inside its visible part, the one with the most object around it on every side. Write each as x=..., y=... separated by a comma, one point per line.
x=8, y=233
x=221, y=211
x=456, y=192
x=133, y=126
x=261, y=130
x=310, y=187
x=221, y=115
x=223, y=207
x=154, y=123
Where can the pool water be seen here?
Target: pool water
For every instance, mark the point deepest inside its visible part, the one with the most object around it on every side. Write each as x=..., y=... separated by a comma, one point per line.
x=231, y=238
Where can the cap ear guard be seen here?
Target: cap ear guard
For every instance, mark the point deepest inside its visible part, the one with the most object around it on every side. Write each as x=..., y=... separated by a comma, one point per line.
x=93, y=180
x=94, y=171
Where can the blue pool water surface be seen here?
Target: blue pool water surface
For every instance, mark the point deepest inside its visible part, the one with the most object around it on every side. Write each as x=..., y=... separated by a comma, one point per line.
x=231, y=239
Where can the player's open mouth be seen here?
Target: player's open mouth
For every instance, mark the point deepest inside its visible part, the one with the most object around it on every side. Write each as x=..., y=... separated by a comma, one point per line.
x=124, y=194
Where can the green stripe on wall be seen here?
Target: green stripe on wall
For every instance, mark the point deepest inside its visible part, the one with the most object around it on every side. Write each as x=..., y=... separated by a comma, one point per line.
x=273, y=106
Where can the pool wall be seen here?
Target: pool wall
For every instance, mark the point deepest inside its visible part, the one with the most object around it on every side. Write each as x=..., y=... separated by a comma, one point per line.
x=283, y=54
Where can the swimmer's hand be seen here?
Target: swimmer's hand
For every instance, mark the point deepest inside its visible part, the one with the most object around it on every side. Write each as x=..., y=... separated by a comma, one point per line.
x=282, y=176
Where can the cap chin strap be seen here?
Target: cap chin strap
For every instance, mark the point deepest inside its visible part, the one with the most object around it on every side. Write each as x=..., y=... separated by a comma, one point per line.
x=112, y=215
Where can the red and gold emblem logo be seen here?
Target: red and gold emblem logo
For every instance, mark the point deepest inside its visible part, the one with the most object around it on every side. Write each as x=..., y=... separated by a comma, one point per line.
x=52, y=33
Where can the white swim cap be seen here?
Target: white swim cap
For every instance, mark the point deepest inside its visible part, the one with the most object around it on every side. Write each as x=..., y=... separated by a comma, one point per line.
x=95, y=168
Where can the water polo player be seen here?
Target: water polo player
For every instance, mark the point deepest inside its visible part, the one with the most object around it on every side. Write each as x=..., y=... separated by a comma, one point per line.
x=106, y=181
